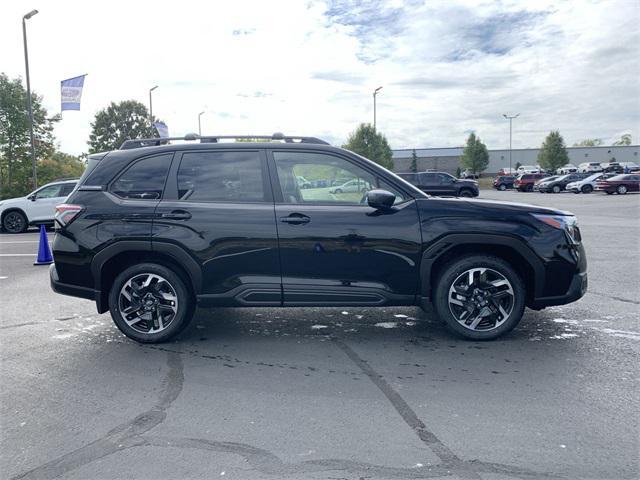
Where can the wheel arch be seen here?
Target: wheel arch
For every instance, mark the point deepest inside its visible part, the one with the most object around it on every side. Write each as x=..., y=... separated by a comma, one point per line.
x=512, y=250
x=13, y=209
x=108, y=263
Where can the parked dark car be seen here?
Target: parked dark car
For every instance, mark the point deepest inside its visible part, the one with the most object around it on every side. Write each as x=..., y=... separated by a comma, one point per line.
x=442, y=184
x=154, y=230
x=613, y=167
x=503, y=182
x=620, y=184
x=525, y=182
x=558, y=184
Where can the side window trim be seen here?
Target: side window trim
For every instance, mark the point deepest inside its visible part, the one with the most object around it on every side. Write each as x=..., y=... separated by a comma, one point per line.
x=134, y=162
x=171, y=187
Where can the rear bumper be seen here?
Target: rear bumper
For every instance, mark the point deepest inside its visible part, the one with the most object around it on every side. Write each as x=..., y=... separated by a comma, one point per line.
x=71, y=290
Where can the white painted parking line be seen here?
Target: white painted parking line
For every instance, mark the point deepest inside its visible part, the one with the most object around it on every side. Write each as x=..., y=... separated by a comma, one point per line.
x=17, y=254
x=25, y=241
x=3, y=278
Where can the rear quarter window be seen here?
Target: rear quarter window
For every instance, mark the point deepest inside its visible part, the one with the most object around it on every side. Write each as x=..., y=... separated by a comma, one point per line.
x=144, y=179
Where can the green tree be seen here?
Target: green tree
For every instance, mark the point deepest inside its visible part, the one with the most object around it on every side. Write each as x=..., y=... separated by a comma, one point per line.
x=414, y=161
x=475, y=156
x=59, y=165
x=553, y=153
x=119, y=122
x=588, y=142
x=625, y=139
x=15, y=144
x=371, y=144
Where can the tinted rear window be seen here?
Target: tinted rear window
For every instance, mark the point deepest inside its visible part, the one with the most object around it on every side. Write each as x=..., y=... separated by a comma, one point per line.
x=221, y=177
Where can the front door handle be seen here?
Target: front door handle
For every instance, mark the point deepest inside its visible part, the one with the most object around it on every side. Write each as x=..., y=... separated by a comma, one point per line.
x=296, y=219
x=177, y=215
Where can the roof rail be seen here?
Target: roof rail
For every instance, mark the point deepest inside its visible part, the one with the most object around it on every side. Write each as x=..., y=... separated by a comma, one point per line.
x=149, y=142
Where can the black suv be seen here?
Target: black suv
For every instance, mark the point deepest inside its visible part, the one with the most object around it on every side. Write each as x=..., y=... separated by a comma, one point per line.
x=557, y=184
x=441, y=183
x=152, y=230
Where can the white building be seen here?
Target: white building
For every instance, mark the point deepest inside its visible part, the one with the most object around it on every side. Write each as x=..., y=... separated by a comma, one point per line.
x=448, y=159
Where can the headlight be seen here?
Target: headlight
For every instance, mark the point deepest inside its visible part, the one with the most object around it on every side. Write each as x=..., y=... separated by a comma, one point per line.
x=568, y=223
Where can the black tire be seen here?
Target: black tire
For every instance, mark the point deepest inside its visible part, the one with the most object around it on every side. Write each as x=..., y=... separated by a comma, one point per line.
x=466, y=193
x=454, y=270
x=529, y=188
x=337, y=191
x=185, y=303
x=556, y=189
x=15, y=222
x=586, y=189
x=502, y=187
x=622, y=189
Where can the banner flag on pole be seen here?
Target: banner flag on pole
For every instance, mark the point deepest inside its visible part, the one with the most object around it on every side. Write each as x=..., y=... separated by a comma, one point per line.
x=162, y=129
x=71, y=92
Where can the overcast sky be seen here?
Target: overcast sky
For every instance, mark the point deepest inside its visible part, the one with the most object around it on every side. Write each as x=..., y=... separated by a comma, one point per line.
x=309, y=68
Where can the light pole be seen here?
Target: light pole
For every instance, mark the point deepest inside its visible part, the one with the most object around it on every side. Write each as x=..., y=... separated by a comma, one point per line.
x=199, y=125
x=510, y=118
x=375, y=92
x=30, y=107
x=151, y=105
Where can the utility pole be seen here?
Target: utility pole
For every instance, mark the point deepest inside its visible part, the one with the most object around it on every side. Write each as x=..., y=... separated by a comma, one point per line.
x=29, y=105
x=151, y=106
x=375, y=92
x=510, y=118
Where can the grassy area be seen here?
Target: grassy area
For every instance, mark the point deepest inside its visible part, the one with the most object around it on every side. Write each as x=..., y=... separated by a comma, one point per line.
x=485, y=183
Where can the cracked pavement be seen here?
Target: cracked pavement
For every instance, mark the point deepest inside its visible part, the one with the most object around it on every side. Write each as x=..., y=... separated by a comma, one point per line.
x=329, y=393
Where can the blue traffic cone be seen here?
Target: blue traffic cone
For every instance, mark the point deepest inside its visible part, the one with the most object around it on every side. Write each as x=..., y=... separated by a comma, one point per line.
x=44, y=252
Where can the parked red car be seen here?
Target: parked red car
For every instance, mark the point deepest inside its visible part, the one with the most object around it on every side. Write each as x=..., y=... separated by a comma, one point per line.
x=524, y=183
x=620, y=184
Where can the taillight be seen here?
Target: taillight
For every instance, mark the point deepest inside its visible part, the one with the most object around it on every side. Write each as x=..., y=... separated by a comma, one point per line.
x=66, y=212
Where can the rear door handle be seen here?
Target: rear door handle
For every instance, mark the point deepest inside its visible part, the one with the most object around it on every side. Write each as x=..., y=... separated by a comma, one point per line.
x=177, y=215
x=296, y=219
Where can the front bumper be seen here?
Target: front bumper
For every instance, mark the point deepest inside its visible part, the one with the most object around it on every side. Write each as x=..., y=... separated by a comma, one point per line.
x=577, y=289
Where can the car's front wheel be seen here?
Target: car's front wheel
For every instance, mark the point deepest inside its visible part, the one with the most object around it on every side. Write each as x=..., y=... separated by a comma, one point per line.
x=150, y=303
x=479, y=297
x=502, y=187
x=15, y=222
x=587, y=189
x=622, y=189
x=556, y=189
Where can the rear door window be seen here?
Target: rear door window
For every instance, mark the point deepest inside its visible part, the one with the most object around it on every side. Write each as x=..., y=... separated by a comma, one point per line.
x=145, y=179
x=225, y=176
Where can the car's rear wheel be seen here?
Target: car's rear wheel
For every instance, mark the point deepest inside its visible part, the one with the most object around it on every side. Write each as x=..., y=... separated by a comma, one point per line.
x=15, y=222
x=622, y=189
x=337, y=190
x=150, y=303
x=529, y=188
x=587, y=189
x=479, y=297
x=556, y=189
x=502, y=187
x=465, y=193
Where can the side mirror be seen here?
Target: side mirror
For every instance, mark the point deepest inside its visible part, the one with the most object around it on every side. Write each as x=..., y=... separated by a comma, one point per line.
x=380, y=199
x=32, y=197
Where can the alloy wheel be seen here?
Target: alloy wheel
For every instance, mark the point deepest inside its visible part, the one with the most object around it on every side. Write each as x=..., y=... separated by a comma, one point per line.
x=481, y=299
x=148, y=303
x=14, y=222
x=622, y=189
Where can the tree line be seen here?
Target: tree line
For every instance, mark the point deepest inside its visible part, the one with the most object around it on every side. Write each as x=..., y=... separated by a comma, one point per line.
x=129, y=119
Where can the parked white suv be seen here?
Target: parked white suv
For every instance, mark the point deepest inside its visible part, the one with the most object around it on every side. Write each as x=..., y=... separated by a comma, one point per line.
x=589, y=167
x=16, y=214
x=586, y=185
x=529, y=169
x=568, y=168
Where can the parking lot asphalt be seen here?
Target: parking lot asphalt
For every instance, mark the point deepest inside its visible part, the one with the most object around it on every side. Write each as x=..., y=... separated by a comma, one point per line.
x=329, y=393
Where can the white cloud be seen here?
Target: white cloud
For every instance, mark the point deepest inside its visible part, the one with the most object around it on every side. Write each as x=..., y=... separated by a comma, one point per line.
x=310, y=68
